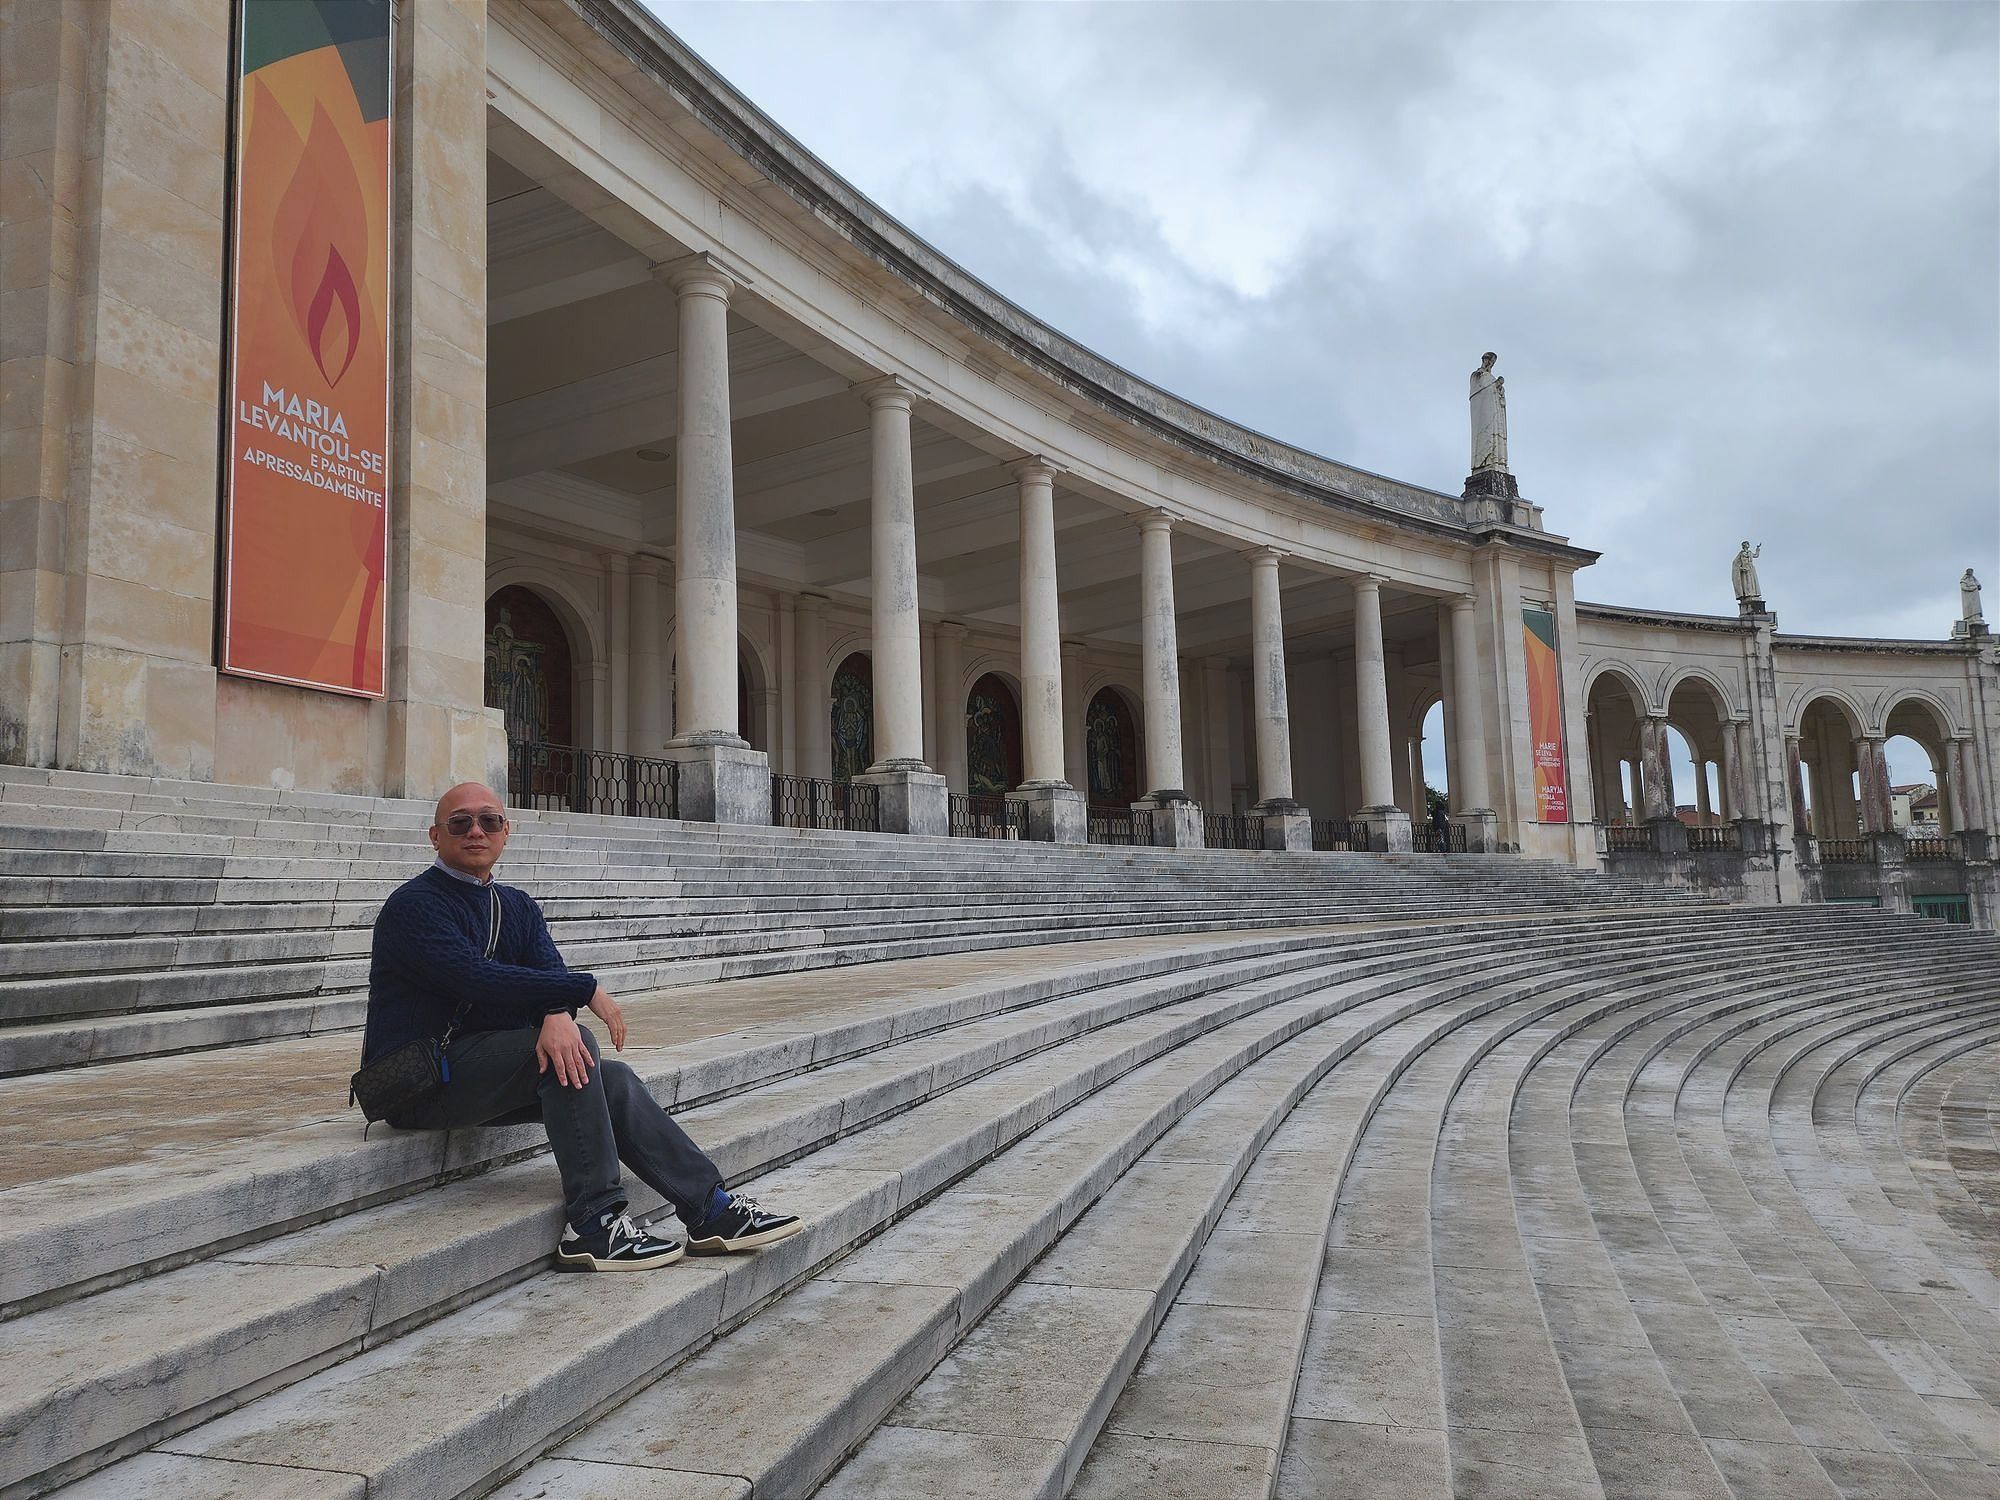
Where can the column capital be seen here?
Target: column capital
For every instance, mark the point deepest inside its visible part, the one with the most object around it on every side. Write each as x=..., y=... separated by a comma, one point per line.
x=1261, y=557
x=1366, y=583
x=698, y=275
x=1156, y=520
x=812, y=603
x=953, y=630
x=617, y=562
x=890, y=391
x=651, y=565
x=1072, y=649
x=1033, y=469
x=1459, y=603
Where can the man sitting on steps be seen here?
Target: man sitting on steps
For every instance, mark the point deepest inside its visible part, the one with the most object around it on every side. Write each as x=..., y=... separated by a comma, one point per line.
x=519, y=1055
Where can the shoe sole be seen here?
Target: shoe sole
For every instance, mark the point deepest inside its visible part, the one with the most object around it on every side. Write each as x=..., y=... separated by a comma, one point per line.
x=592, y=1263
x=720, y=1246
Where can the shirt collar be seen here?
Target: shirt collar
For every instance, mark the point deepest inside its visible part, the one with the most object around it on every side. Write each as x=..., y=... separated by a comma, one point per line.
x=459, y=875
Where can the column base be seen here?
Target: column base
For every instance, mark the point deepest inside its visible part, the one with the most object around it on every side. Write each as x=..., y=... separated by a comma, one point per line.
x=1176, y=820
x=1388, y=829
x=1753, y=836
x=1287, y=826
x=497, y=755
x=1670, y=835
x=1482, y=831
x=1891, y=886
x=1053, y=811
x=719, y=782
x=913, y=799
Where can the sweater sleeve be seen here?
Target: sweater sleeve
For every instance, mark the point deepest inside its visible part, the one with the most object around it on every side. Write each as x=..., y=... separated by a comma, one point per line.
x=439, y=956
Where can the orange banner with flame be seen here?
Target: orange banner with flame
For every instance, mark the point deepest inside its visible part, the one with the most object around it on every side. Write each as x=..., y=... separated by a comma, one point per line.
x=1545, y=715
x=306, y=475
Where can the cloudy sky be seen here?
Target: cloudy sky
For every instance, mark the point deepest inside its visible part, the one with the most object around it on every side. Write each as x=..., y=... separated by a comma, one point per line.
x=1738, y=260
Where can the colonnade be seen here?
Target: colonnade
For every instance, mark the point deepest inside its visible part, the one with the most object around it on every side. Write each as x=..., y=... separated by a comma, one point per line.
x=723, y=779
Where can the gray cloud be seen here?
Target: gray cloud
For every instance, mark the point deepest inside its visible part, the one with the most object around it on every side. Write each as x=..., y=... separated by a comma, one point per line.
x=1739, y=260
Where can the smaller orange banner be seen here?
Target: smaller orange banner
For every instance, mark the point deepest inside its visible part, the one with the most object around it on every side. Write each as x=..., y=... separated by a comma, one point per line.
x=1545, y=731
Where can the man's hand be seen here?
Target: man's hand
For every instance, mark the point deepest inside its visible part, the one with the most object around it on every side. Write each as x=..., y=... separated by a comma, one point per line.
x=606, y=1010
x=560, y=1046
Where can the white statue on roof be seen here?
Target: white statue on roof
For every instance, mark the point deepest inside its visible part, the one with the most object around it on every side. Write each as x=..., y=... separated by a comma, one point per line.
x=1743, y=574
x=1489, y=417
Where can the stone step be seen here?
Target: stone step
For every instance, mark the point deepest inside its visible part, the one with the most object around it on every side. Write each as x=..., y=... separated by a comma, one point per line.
x=1769, y=1418
x=327, y=1305
x=387, y=1415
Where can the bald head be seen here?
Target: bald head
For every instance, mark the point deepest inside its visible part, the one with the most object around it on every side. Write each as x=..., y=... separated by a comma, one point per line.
x=469, y=847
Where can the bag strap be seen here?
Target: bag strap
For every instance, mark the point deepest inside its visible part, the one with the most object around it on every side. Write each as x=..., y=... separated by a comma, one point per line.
x=494, y=912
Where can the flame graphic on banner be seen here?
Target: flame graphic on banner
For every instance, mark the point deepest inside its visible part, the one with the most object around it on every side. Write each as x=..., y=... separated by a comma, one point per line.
x=318, y=235
x=337, y=283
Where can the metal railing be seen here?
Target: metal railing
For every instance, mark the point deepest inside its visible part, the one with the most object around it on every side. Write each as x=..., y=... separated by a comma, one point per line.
x=973, y=816
x=1339, y=836
x=1232, y=830
x=1424, y=838
x=807, y=802
x=1107, y=823
x=1845, y=851
x=1628, y=838
x=1934, y=849
x=562, y=778
x=1712, y=840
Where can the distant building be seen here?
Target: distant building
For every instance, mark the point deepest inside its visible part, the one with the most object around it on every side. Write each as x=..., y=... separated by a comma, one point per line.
x=1912, y=805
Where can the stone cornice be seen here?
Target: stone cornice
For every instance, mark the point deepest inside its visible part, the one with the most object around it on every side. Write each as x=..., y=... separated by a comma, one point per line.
x=1853, y=643
x=836, y=207
x=1723, y=624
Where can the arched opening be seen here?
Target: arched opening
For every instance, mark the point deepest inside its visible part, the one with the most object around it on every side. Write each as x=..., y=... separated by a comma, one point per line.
x=1613, y=709
x=1111, y=746
x=1923, y=801
x=853, y=712
x=1698, y=723
x=1432, y=764
x=1829, y=781
x=992, y=738
x=529, y=669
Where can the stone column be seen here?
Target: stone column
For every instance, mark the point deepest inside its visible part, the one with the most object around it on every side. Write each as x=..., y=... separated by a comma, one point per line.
x=722, y=780
x=1215, y=728
x=913, y=797
x=1174, y=815
x=1877, y=815
x=950, y=674
x=812, y=691
x=1957, y=806
x=646, y=665
x=1287, y=825
x=1669, y=835
x=1388, y=825
x=1704, y=813
x=618, y=631
x=1795, y=773
x=1472, y=804
x=785, y=699
x=1054, y=808
x=1076, y=752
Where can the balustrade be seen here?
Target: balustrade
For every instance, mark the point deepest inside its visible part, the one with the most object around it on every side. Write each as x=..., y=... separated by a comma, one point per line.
x=1711, y=840
x=1628, y=838
x=1424, y=838
x=563, y=778
x=1934, y=849
x=1845, y=851
x=1110, y=824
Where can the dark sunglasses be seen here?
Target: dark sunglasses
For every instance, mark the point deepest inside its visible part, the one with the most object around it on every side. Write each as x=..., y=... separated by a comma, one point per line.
x=459, y=824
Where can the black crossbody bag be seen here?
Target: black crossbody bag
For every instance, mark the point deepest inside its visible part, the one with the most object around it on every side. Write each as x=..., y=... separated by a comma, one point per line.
x=399, y=1082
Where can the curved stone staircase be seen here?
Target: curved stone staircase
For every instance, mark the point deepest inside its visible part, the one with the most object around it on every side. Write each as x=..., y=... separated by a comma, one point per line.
x=1126, y=1174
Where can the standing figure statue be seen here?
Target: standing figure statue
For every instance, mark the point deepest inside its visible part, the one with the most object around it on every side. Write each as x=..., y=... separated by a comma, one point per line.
x=1489, y=417
x=1968, y=598
x=1744, y=574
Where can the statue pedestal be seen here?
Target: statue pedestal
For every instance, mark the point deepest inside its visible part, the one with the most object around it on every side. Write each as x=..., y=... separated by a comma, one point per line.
x=1287, y=826
x=1053, y=812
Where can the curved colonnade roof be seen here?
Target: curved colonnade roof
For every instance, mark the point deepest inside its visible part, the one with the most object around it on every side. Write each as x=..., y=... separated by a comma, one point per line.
x=838, y=209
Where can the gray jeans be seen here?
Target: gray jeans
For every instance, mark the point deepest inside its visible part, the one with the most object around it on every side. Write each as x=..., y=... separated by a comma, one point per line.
x=610, y=1119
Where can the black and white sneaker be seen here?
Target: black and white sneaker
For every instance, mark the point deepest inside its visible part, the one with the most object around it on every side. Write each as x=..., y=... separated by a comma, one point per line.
x=744, y=1225
x=619, y=1245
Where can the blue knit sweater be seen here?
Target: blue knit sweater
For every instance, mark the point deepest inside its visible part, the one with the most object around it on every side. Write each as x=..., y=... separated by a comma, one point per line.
x=430, y=955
